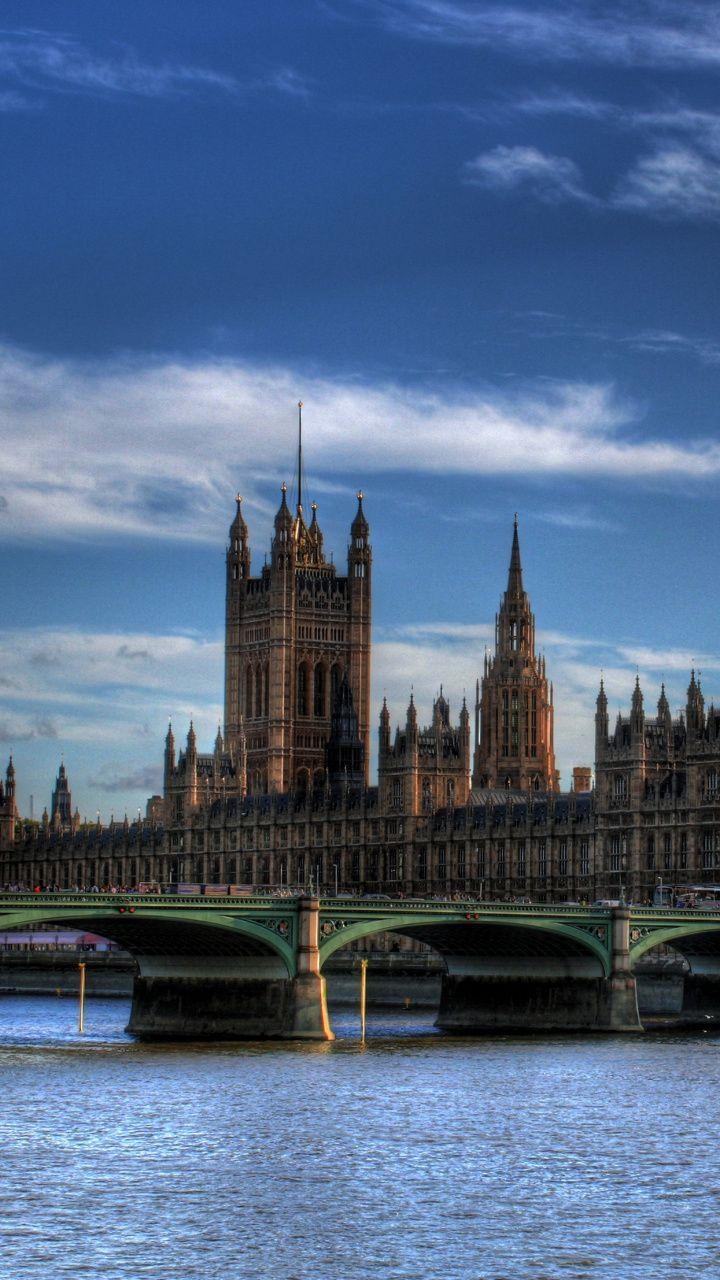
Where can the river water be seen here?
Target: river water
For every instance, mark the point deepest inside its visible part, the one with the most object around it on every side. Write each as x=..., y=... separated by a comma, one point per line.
x=417, y=1157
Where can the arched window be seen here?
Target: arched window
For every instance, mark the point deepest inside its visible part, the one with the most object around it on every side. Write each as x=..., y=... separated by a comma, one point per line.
x=335, y=682
x=248, y=692
x=266, y=690
x=319, y=691
x=319, y=778
x=258, y=692
x=303, y=781
x=302, y=689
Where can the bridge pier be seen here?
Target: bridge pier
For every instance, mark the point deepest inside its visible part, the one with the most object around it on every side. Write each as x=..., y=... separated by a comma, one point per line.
x=560, y=994
x=233, y=998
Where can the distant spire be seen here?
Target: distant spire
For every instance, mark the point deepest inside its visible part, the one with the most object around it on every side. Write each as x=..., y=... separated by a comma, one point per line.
x=515, y=582
x=299, y=501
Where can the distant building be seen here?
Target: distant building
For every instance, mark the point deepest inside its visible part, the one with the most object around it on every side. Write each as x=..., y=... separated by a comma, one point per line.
x=657, y=794
x=514, y=705
x=283, y=797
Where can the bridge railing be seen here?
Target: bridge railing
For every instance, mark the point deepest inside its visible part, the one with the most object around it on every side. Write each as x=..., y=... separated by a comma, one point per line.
x=140, y=901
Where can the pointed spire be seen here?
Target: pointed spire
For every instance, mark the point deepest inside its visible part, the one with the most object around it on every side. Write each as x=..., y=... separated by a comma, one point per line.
x=360, y=525
x=283, y=519
x=238, y=528
x=515, y=582
x=299, y=501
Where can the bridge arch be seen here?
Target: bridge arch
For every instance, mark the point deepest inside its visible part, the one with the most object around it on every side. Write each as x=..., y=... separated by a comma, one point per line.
x=147, y=933
x=688, y=937
x=495, y=938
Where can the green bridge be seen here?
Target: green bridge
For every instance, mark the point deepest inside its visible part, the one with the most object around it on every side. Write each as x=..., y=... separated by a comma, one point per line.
x=228, y=967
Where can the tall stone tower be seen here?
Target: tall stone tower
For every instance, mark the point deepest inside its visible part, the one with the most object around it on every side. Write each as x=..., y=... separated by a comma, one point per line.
x=291, y=634
x=8, y=809
x=61, y=810
x=514, y=706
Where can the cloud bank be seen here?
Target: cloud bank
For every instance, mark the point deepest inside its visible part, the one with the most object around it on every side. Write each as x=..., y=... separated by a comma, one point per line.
x=660, y=33
x=157, y=448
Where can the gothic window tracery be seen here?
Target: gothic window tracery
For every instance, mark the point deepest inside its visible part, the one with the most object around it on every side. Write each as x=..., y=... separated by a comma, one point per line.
x=319, y=690
x=302, y=689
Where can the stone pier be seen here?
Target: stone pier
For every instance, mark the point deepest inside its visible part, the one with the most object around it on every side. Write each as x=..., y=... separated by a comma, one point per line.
x=234, y=998
x=571, y=993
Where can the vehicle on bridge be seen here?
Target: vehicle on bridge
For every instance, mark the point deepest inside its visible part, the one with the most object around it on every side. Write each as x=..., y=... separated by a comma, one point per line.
x=700, y=897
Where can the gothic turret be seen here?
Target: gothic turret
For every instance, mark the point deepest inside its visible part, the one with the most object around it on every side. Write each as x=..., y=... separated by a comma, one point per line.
x=283, y=543
x=10, y=780
x=637, y=714
x=695, y=709
x=238, y=555
x=664, y=713
x=384, y=728
x=169, y=753
x=602, y=722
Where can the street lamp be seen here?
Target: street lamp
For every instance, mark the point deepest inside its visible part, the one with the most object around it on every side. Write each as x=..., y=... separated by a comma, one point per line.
x=335, y=869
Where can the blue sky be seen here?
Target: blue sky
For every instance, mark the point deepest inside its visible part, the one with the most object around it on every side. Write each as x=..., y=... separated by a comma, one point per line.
x=480, y=241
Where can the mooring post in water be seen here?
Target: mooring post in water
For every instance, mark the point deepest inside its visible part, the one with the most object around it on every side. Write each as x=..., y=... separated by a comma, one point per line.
x=363, y=996
x=81, y=1009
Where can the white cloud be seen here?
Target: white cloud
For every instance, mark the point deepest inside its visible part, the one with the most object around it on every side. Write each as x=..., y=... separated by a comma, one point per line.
x=674, y=182
x=666, y=341
x=50, y=61
x=550, y=178
x=664, y=33
x=155, y=448
x=77, y=674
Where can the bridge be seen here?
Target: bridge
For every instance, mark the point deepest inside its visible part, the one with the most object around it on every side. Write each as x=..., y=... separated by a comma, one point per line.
x=247, y=968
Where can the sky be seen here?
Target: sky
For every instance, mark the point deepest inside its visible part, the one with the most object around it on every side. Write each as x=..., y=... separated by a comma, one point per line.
x=479, y=241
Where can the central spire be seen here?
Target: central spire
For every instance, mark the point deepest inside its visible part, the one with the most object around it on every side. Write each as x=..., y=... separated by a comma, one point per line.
x=515, y=582
x=299, y=501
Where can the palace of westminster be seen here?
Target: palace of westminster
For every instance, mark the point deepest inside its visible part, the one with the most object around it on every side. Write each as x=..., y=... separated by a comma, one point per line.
x=283, y=799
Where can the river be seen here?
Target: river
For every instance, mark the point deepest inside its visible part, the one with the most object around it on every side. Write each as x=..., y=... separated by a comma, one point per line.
x=417, y=1157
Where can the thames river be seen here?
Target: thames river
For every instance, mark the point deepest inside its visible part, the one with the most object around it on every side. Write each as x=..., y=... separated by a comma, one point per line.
x=417, y=1157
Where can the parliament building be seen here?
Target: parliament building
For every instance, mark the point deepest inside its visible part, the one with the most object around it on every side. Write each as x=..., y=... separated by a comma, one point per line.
x=284, y=797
